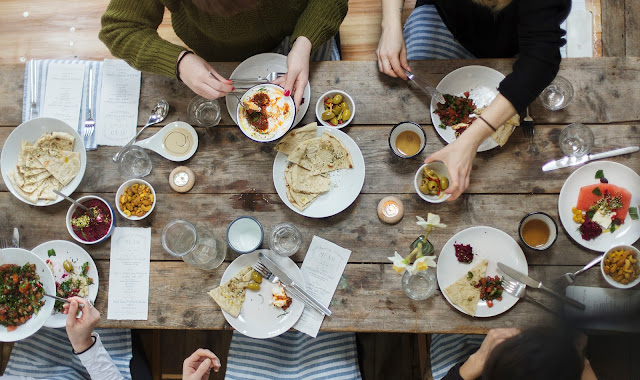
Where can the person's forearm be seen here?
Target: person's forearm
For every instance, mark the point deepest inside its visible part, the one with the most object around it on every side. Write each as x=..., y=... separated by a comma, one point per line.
x=98, y=362
x=392, y=13
x=471, y=369
x=496, y=113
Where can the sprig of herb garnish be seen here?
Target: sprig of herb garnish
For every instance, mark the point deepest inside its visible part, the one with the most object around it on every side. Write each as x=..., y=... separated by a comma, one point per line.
x=633, y=213
x=597, y=191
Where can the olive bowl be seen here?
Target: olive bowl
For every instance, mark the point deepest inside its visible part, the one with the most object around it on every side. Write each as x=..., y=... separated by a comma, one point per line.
x=441, y=170
x=345, y=98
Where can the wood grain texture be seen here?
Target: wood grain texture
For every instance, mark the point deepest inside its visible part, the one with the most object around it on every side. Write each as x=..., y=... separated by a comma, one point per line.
x=613, y=28
x=632, y=28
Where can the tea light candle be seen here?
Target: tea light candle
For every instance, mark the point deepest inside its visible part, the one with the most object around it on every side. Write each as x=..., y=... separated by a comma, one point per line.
x=182, y=179
x=390, y=210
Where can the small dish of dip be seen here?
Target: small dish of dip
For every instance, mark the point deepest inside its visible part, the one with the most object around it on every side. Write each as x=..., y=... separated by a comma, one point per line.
x=176, y=141
x=407, y=139
x=91, y=227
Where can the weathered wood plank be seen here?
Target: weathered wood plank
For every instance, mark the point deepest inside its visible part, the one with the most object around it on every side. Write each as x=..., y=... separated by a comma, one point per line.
x=357, y=228
x=369, y=298
x=228, y=162
x=613, y=28
x=632, y=27
x=598, y=84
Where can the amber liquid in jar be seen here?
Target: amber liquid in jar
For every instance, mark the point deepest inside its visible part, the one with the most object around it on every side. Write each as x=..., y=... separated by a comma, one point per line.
x=408, y=143
x=535, y=233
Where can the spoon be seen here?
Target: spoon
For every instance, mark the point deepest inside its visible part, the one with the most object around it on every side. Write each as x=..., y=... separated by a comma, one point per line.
x=240, y=102
x=71, y=200
x=158, y=114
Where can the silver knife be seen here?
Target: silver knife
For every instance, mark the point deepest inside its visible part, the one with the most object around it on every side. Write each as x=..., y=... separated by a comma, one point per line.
x=521, y=277
x=15, y=239
x=288, y=282
x=567, y=161
x=424, y=86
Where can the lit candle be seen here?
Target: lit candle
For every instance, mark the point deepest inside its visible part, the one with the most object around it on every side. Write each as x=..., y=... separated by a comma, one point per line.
x=390, y=210
x=182, y=179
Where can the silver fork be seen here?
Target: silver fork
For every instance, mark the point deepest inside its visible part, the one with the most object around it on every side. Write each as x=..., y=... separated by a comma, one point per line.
x=568, y=278
x=266, y=274
x=33, y=67
x=518, y=290
x=4, y=244
x=528, y=127
x=89, y=124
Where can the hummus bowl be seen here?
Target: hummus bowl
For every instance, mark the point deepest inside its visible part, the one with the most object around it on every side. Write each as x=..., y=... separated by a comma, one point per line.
x=94, y=231
x=275, y=117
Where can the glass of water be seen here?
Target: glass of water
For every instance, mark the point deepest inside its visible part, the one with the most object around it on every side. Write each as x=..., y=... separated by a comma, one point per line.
x=285, y=239
x=557, y=95
x=419, y=286
x=197, y=247
x=576, y=140
x=204, y=112
x=134, y=162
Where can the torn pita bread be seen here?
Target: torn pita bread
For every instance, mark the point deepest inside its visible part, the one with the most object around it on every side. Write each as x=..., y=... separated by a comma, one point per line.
x=463, y=292
x=298, y=199
x=322, y=154
x=295, y=137
x=230, y=295
x=304, y=182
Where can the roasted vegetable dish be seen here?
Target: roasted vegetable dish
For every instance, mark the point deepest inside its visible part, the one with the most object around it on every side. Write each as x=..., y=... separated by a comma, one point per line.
x=21, y=296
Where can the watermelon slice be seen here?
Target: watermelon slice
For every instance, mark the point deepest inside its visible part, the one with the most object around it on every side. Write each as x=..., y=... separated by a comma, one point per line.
x=587, y=198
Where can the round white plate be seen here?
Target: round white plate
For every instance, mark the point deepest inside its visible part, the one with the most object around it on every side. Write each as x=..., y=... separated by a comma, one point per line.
x=30, y=131
x=261, y=65
x=345, y=183
x=258, y=318
x=481, y=82
x=20, y=257
x=66, y=250
x=155, y=144
x=487, y=243
x=617, y=174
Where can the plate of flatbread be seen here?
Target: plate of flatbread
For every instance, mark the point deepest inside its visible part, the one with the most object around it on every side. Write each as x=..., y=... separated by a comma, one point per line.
x=318, y=171
x=41, y=155
x=250, y=312
x=490, y=246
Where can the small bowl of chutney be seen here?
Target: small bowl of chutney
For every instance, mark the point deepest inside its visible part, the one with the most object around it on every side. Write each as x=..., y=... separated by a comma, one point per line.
x=407, y=139
x=538, y=231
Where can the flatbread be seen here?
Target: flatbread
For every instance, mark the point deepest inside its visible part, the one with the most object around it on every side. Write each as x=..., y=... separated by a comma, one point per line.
x=63, y=165
x=303, y=181
x=230, y=295
x=55, y=140
x=463, y=292
x=295, y=137
x=298, y=199
x=322, y=154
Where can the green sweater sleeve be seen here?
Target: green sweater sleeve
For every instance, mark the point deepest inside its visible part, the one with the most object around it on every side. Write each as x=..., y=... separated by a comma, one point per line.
x=320, y=21
x=130, y=31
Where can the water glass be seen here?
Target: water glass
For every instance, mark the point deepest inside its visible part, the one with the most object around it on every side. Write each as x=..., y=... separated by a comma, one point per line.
x=576, y=140
x=134, y=162
x=197, y=247
x=285, y=239
x=419, y=286
x=557, y=95
x=204, y=112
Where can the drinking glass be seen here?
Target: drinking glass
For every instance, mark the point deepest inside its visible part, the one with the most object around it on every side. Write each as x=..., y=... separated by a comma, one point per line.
x=197, y=247
x=204, y=112
x=285, y=239
x=557, y=95
x=134, y=162
x=419, y=286
x=576, y=140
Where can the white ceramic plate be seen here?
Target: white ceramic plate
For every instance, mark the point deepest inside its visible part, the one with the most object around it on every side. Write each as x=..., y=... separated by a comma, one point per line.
x=487, y=243
x=155, y=144
x=258, y=318
x=30, y=131
x=345, y=183
x=66, y=250
x=617, y=174
x=481, y=82
x=261, y=65
x=20, y=257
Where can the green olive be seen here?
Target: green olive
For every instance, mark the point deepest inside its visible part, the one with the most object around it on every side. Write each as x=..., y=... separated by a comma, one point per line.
x=346, y=114
x=433, y=192
x=344, y=105
x=253, y=286
x=255, y=276
x=423, y=187
x=327, y=115
x=337, y=99
x=432, y=185
x=429, y=173
x=337, y=109
x=68, y=266
x=334, y=121
x=444, y=183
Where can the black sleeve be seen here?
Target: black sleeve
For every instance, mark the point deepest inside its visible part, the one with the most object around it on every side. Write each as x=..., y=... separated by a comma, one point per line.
x=454, y=373
x=540, y=38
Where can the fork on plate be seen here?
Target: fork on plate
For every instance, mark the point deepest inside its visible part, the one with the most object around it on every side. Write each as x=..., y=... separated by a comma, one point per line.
x=528, y=126
x=568, y=278
x=89, y=124
x=248, y=82
x=4, y=243
x=518, y=290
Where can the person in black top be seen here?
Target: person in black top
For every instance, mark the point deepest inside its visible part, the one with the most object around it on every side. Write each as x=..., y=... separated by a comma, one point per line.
x=528, y=29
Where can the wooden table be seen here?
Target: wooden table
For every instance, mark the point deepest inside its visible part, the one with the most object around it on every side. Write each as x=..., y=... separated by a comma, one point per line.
x=234, y=178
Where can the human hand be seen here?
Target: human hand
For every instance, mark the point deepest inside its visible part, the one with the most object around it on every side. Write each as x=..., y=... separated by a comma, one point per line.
x=79, y=329
x=458, y=158
x=202, y=79
x=297, y=76
x=392, y=53
x=199, y=364
x=472, y=368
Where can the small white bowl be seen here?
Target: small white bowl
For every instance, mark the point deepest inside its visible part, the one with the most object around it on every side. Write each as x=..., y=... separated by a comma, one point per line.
x=121, y=190
x=245, y=234
x=345, y=98
x=608, y=278
x=72, y=209
x=407, y=126
x=250, y=131
x=548, y=220
x=441, y=170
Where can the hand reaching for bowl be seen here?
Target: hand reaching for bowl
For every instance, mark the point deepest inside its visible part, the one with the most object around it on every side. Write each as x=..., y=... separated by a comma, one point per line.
x=202, y=79
x=297, y=75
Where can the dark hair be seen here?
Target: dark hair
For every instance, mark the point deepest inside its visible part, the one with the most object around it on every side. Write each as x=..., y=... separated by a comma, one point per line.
x=225, y=8
x=540, y=353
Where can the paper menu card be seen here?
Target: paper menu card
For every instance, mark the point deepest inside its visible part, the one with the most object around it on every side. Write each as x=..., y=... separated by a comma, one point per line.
x=322, y=269
x=117, y=116
x=606, y=308
x=129, y=273
x=63, y=95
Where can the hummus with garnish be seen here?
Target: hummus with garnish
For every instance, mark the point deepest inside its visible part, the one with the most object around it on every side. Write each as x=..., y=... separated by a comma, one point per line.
x=267, y=114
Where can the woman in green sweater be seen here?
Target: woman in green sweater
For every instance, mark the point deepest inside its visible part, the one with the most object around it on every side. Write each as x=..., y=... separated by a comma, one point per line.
x=220, y=30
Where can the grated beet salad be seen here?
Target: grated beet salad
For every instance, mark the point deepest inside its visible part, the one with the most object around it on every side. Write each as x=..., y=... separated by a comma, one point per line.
x=464, y=253
x=590, y=229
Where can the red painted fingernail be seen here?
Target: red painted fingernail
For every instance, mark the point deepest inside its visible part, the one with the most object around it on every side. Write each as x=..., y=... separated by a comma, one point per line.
x=286, y=93
x=232, y=88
